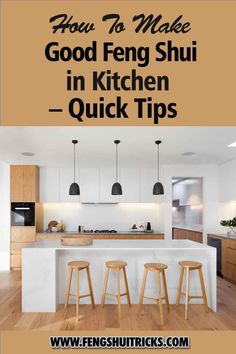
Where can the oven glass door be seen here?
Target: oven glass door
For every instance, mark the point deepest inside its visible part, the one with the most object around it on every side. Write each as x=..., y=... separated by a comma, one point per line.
x=23, y=214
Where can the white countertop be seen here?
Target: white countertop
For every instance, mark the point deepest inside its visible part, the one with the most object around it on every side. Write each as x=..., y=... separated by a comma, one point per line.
x=121, y=244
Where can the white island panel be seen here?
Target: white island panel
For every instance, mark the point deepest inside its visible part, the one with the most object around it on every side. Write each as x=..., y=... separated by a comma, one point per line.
x=45, y=269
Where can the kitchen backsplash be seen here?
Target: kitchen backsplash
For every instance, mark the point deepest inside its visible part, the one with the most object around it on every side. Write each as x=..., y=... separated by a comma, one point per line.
x=104, y=216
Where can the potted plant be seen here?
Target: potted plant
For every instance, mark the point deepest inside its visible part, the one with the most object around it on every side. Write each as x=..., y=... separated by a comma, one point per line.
x=231, y=223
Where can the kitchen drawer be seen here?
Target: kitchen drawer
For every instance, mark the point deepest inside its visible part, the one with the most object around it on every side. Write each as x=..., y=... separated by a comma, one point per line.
x=229, y=271
x=16, y=261
x=230, y=244
x=230, y=255
x=16, y=247
x=23, y=234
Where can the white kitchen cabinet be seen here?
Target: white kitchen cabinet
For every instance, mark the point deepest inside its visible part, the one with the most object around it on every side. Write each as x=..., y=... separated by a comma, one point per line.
x=130, y=181
x=49, y=182
x=107, y=178
x=89, y=185
x=95, y=185
x=66, y=178
x=148, y=177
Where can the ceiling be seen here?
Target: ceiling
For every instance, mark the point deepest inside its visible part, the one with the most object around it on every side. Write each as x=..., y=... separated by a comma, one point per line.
x=52, y=145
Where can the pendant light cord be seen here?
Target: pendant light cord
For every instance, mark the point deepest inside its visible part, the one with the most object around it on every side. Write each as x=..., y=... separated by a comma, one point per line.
x=158, y=163
x=116, y=162
x=74, y=162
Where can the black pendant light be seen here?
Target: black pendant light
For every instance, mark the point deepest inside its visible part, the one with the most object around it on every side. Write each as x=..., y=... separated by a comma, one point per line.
x=158, y=188
x=116, y=188
x=74, y=187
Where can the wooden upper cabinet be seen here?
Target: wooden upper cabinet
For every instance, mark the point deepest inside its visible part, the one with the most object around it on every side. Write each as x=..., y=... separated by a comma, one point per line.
x=30, y=184
x=24, y=183
x=17, y=183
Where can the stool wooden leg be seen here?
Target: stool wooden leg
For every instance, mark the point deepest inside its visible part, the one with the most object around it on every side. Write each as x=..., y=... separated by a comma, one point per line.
x=180, y=285
x=77, y=294
x=90, y=287
x=165, y=290
x=68, y=287
x=105, y=286
x=203, y=289
x=142, y=290
x=126, y=287
x=187, y=294
x=160, y=296
x=118, y=294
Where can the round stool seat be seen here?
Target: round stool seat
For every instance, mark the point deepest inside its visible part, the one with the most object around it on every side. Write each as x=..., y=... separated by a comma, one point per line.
x=190, y=264
x=155, y=266
x=116, y=264
x=78, y=264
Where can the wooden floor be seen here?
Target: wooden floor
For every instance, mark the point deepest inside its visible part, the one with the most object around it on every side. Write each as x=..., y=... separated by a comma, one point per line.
x=11, y=317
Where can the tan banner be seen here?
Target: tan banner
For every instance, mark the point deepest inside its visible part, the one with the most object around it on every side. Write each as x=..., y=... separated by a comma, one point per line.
x=39, y=343
x=118, y=63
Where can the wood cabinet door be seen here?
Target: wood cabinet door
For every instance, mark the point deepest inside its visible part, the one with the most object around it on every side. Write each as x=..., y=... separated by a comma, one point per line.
x=17, y=183
x=30, y=184
x=16, y=247
x=24, y=183
x=229, y=259
x=23, y=234
x=16, y=261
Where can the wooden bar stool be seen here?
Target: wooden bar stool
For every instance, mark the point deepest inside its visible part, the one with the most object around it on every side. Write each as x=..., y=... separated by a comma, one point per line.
x=117, y=266
x=159, y=269
x=189, y=266
x=77, y=266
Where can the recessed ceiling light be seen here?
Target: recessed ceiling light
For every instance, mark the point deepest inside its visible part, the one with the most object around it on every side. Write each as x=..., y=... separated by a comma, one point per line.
x=232, y=145
x=188, y=153
x=28, y=154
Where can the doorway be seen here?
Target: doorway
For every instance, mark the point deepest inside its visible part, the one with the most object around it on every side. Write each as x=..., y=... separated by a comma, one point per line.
x=187, y=208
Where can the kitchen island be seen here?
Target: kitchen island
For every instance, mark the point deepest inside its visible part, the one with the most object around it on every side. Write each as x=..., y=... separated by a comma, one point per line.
x=44, y=269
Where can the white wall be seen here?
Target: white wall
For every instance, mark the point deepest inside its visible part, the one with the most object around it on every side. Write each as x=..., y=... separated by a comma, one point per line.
x=104, y=216
x=227, y=183
x=4, y=216
x=227, y=210
x=227, y=178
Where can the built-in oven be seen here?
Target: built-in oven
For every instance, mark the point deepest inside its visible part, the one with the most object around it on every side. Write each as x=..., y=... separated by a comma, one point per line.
x=23, y=214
